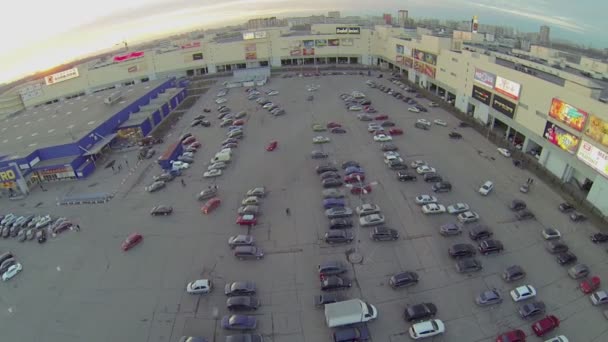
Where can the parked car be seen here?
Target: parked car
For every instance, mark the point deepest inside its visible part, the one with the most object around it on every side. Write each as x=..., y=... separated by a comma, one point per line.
x=578, y=271
x=403, y=279
x=404, y=176
x=246, y=220
x=161, y=210
x=340, y=223
x=338, y=236
x=488, y=297
x=450, y=229
x=524, y=215
x=335, y=282
x=211, y=205
x=551, y=234
x=242, y=303
x=367, y=209
x=512, y=336
x=566, y=207
x=458, y=208
x=384, y=234
x=338, y=212
x=599, y=238
x=240, y=240
x=517, y=205
x=513, y=273
x=371, y=220
x=12, y=271
x=468, y=217
x=531, y=309
x=132, y=241
x=199, y=286
x=239, y=322
x=545, y=325
x=566, y=258
x=351, y=334
x=240, y=288
x=433, y=208
x=318, y=155
x=468, y=265
x=248, y=252
x=599, y=297
x=327, y=298
x=556, y=246
x=490, y=246
x=522, y=293
x=426, y=329
x=462, y=250
x=333, y=193
x=331, y=267
x=480, y=232
x=425, y=199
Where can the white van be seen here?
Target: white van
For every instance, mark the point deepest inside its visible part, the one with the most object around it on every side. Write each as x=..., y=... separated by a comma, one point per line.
x=486, y=188
x=223, y=156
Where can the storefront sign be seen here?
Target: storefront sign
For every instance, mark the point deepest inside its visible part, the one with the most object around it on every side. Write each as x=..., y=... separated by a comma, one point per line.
x=508, y=88
x=295, y=52
x=348, y=30
x=191, y=45
x=504, y=106
x=408, y=62
x=559, y=137
x=197, y=56
x=61, y=76
x=597, y=130
x=485, y=78
x=254, y=35
x=333, y=42
x=594, y=157
x=482, y=95
x=424, y=69
x=426, y=57
x=321, y=42
x=55, y=171
x=132, y=55
x=308, y=51
x=8, y=174
x=347, y=42
x=568, y=114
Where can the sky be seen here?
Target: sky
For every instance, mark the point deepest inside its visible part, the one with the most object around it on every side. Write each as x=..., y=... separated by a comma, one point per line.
x=40, y=34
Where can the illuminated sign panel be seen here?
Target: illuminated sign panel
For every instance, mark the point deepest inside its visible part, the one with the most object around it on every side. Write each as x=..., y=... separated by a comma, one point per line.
x=597, y=130
x=348, y=30
x=508, y=88
x=61, y=76
x=568, y=114
x=485, y=78
x=594, y=157
x=8, y=174
x=503, y=106
x=482, y=95
x=559, y=137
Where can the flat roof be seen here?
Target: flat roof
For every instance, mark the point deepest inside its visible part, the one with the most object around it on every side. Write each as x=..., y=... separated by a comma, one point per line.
x=63, y=122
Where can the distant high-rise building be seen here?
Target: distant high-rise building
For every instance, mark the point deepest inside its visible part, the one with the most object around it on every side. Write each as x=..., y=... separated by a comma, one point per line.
x=402, y=18
x=544, y=37
x=334, y=14
x=388, y=18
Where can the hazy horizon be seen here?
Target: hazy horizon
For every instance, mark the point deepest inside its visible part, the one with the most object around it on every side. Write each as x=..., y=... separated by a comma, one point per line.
x=100, y=26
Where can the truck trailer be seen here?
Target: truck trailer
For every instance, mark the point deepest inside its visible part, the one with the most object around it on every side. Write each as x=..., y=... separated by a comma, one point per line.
x=348, y=312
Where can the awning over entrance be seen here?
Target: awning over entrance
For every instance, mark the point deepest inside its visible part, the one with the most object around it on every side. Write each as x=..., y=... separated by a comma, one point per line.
x=100, y=145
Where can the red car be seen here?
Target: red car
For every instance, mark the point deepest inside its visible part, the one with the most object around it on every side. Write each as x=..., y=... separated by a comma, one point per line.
x=195, y=144
x=545, y=325
x=131, y=241
x=512, y=336
x=210, y=205
x=332, y=124
x=239, y=122
x=247, y=220
x=395, y=131
x=272, y=146
x=381, y=117
x=354, y=178
x=369, y=109
x=356, y=190
x=189, y=140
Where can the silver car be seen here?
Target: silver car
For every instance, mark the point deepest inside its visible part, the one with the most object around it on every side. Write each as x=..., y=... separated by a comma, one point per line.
x=338, y=212
x=155, y=186
x=450, y=229
x=371, y=220
x=249, y=210
x=490, y=297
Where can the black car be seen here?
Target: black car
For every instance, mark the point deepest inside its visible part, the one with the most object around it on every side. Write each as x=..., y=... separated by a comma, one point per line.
x=337, y=130
x=387, y=124
x=327, y=298
x=331, y=183
x=566, y=258
x=240, y=288
x=335, y=282
x=566, y=207
x=340, y=223
x=351, y=334
x=468, y=265
x=421, y=108
x=403, y=176
x=350, y=163
x=329, y=174
x=339, y=236
x=419, y=312
x=4, y=266
x=442, y=187
x=365, y=102
x=396, y=165
x=324, y=168
x=531, y=309
x=462, y=250
x=388, y=147
x=432, y=177
x=490, y=246
x=403, y=279
x=513, y=273
x=455, y=135
x=524, y=215
x=599, y=238
x=331, y=267
x=556, y=246
x=242, y=303
x=517, y=205
x=384, y=234
x=480, y=232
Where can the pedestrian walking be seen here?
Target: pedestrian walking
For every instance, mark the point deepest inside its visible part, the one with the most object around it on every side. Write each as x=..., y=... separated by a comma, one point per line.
x=287, y=211
x=183, y=182
x=215, y=187
x=113, y=170
x=77, y=227
x=119, y=167
x=127, y=162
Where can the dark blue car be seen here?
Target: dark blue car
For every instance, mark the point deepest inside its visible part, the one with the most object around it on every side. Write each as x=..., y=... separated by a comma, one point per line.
x=333, y=203
x=356, y=333
x=239, y=322
x=353, y=169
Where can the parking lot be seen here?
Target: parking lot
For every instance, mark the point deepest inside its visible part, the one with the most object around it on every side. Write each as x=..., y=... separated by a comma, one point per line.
x=82, y=285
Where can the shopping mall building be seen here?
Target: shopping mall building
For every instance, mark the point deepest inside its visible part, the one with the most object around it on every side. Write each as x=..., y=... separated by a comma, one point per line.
x=553, y=114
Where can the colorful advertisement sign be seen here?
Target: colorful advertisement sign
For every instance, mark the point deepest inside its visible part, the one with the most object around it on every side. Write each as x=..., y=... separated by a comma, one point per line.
x=485, y=78
x=568, y=114
x=8, y=174
x=424, y=69
x=594, y=157
x=347, y=42
x=482, y=95
x=191, y=45
x=408, y=62
x=250, y=52
x=503, y=106
x=399, y=49
x=507, y=88
x=128, y=56
x=61, y=76
x=250, y=47
x=399, y=59
x=597, y=130
x=308, y=51
x=426, y=57
x=321, y=42
x=561, y=138
x=333, y=42
x=295, y=52
x=254, y=35
x=348, y=30
x=308, y=43
x=474, y=24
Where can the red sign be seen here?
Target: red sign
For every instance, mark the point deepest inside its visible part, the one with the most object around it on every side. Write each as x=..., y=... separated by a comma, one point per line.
x=191, y=45
x=132, y=55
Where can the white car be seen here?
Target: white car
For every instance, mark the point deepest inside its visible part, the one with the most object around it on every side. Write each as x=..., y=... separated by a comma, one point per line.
x=382, y=138
x=433, y=208
x=440, y=122
x=273, y=93
x=221, y=100
x=199, y=286
x=355, y=108
x=188, y=154
x=218, y=165
x=367, y=209
x=12, y=271
x=268, y=105
x=312, y=87
x=179, y=165
x=391, y=153
x=599, y=298
x=374, y=127
x=212, y=173
x=504, y=152
x=425, y=199
x=458, y=208
x=44, y=221
x=560, y=338
x=468, y=217
x=393, y=159
x=251, y=200
x=371, y=220
x=414, y=109
x=320, y=139
x=417, y=163
x=522, y=293
x=426, y=329
x=424, y=122
x=425, y=169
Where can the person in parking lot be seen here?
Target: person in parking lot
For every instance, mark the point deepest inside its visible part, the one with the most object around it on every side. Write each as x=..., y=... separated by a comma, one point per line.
x=183, y=182
x=287, y=211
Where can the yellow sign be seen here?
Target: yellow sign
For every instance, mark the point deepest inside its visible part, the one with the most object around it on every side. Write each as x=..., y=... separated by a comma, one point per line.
x=8, y=175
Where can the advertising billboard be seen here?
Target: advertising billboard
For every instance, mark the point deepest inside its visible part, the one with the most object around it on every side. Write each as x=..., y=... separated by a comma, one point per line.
x=485, y=78
x=474, y=24
x=568, y=114
x=347, y=42
x=399, y=59
x=597, y=130
x=191, y=45
x=424, y=69
x=8, y=174
x=348, y=30
x=507, y=88
x=295, y=52
x=503, y=106
x=321, y=42
x=594, y=157
x=128, y=56
x=308, y=43
x=250, y=47
x=482, y=95
x=197, y=56
x=561, y=138
x=333, y=42
x=308, y=51
x=408, y=62
x=426, y=57
x=61, y=76
x=399, y=49
x=254, y=35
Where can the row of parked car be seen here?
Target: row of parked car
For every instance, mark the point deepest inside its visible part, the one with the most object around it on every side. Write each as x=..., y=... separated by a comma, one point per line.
x=9, y=266
x=273, y=108
x=30, y=227
x=189, y=145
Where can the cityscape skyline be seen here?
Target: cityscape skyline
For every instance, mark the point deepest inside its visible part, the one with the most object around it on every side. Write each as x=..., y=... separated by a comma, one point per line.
x=102, y=28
